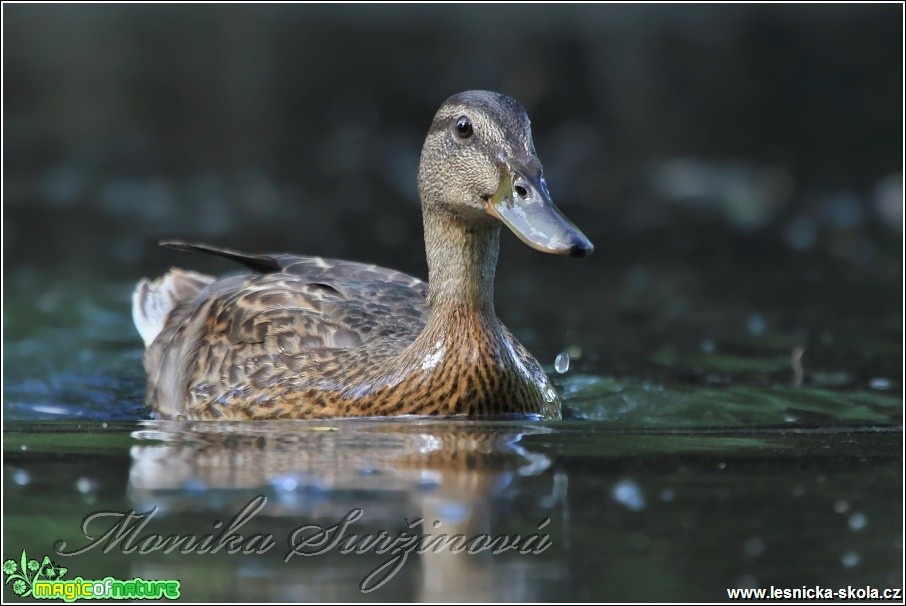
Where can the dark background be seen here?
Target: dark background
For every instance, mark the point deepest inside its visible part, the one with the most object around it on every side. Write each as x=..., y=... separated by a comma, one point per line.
x=732, y=164
x=736, y=338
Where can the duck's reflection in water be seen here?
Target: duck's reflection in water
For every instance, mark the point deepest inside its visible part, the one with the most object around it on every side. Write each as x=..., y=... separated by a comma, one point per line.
x=459, y=477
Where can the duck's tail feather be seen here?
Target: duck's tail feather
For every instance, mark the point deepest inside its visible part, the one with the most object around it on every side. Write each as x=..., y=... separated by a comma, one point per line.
x=153, y=300
x=260, y=263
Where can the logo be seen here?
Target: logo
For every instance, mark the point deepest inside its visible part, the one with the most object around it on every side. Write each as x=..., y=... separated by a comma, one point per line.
x=44, y=581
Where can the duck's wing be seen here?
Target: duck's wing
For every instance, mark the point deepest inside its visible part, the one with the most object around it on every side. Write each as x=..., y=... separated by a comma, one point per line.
x=332, y=294
x=312, y=268
x=274, y=329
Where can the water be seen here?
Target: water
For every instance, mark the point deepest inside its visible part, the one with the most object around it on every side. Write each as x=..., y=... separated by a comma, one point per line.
x=561, y=363
x=703, y=446
x=705, y=471
x=732, y=511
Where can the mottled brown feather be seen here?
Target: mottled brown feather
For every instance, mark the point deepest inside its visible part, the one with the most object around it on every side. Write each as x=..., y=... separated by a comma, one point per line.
x=327, y=338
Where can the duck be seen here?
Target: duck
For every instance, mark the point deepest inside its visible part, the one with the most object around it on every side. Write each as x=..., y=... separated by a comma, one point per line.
x=302, y=337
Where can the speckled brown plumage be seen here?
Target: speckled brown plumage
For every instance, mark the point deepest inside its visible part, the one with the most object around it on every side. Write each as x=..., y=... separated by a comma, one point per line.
x=305, y=337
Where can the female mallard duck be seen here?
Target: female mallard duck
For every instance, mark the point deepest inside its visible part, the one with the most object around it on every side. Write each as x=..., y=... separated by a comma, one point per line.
x=306, y=337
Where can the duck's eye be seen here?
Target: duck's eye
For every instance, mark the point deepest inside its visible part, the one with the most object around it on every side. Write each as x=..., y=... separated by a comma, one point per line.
x=464, y=127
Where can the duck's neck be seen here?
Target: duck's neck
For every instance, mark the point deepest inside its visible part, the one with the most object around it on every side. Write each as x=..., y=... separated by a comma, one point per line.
x=462, y=258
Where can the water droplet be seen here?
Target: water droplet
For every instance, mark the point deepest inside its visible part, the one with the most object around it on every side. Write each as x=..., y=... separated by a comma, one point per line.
x=287, y=484
x=880, y=383
x=850, y=559
x=561, y=364
x=628, y=494
x=668, y=494
x=86, y=485
x=297, y=484
x=21, y=477
x=756, y=324
x=753, y=547
x=708, y=346
x=841, y=506
x=23, y=447
x=858, y=521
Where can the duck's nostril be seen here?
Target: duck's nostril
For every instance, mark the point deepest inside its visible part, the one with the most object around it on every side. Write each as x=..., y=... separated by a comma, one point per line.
x=521, y=191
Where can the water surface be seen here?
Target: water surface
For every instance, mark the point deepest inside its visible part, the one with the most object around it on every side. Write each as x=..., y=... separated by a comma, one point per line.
x=699, y=472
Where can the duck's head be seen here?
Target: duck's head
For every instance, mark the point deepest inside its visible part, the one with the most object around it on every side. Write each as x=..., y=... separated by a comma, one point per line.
x=479, y=162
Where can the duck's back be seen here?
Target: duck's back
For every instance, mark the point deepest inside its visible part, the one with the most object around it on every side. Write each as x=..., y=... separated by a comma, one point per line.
x=234, y=347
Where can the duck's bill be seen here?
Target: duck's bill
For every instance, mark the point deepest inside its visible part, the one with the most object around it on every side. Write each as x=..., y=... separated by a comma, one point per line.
x=524, y=205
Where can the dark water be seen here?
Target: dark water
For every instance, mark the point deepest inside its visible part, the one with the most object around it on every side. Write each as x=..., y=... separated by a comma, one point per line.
x=632, y=515
x=734, y=387
x=700, y=471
